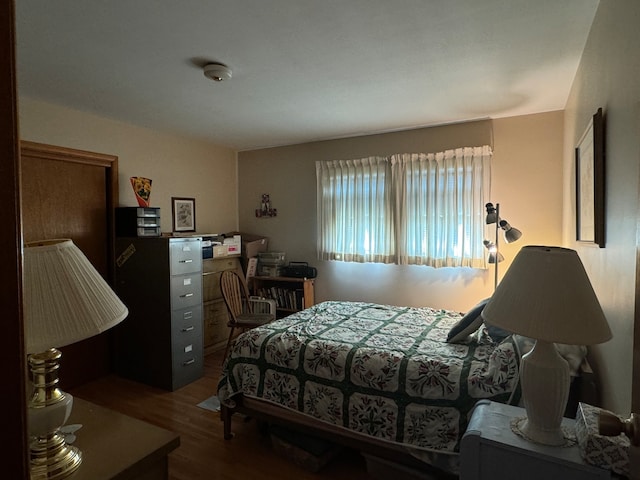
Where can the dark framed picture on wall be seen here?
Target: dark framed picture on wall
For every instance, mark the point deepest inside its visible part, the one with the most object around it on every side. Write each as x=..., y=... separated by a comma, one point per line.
x=590, y=172
x=184, y=214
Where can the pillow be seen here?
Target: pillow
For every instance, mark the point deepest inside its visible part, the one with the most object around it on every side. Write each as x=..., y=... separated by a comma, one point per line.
x=573, y=354
x=468, y=324
x=497, y=334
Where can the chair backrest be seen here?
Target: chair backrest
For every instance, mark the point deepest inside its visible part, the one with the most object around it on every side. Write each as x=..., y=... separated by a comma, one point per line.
x=235, y=293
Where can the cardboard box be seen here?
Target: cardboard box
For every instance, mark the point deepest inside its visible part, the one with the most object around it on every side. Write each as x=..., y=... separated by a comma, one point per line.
x=220, y=251
x=233, y=244
x=308, y=452
x=251, y=246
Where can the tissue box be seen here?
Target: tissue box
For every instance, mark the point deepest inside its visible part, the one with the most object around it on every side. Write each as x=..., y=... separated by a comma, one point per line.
x=611, y=453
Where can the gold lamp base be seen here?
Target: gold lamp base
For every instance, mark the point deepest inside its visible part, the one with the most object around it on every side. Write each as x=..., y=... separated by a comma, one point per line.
x=52, y=458
x=49, y=409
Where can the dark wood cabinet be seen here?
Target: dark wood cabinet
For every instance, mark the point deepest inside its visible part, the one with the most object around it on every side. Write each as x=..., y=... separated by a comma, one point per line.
x=160, y=343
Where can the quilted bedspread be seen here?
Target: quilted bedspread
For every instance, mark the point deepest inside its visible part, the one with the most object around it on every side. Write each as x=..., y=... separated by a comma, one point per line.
x=379, y=370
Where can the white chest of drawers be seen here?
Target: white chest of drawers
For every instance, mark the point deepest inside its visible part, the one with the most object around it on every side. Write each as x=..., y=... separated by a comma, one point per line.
x=490, y=450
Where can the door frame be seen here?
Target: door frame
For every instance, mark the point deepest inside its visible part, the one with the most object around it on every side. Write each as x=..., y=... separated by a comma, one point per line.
x=12, y=355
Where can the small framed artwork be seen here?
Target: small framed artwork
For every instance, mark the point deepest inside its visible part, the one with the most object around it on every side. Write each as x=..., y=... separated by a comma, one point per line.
x=184, y=214
x=590, y=221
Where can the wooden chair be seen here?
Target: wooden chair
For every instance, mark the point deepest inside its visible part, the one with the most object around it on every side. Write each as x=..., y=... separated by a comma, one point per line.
x=243, y=309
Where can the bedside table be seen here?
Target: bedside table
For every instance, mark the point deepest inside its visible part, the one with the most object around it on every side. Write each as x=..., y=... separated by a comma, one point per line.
x=490, y=450
x=116, y=446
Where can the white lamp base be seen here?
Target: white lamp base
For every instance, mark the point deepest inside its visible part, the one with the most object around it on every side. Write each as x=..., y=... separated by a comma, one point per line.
x=544, y=376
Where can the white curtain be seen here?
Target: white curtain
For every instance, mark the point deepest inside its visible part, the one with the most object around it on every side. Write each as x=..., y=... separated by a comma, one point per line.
x=440, y=199
x=355, y=210
x=422, y=209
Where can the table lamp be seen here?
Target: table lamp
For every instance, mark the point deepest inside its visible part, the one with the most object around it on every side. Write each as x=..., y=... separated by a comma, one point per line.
x=65, y=300
x=547, y=296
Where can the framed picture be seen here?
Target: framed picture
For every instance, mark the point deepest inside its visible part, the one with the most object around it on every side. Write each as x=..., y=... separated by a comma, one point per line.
x=590, y=183
x=184, y=214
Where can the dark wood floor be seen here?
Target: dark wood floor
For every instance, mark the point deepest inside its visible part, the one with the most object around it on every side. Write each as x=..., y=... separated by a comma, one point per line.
x=203, y=453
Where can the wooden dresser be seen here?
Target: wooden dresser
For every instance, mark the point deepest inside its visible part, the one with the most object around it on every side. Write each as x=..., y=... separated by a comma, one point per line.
x=216, y=317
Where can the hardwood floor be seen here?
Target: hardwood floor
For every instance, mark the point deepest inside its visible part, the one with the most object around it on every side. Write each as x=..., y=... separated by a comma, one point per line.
x=203, y=453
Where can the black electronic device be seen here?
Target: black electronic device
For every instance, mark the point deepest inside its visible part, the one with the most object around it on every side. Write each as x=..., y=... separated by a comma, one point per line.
x=298, y=270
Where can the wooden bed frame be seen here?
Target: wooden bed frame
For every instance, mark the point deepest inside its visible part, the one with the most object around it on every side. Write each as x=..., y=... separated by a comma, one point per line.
x=369, y=446
x=583, y=389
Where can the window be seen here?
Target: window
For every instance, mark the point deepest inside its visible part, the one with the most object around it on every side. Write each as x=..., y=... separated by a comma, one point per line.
x=417, y=209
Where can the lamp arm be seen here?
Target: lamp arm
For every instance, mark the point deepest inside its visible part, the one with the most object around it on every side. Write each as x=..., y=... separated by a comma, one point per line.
x=497, y=260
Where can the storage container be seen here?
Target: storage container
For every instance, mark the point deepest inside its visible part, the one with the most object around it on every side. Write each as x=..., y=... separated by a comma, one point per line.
x=271, y=258
x=138, y=222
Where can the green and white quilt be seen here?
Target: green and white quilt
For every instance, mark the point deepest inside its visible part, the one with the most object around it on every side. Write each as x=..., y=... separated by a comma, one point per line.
x=382, y=371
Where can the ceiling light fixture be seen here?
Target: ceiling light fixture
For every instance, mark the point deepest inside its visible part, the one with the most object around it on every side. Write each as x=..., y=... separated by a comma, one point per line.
x=217, y=72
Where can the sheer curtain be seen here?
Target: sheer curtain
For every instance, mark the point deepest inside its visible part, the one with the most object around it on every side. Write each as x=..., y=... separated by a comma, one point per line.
x=439, y=206
x=355, y=210
x=421, y=209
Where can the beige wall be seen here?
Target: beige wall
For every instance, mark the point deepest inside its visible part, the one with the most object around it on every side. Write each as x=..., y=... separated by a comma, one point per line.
x=178, y=166
x=608, y=78
x=527, y=182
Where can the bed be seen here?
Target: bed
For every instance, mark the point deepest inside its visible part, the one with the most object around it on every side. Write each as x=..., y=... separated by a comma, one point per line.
x=381, y=376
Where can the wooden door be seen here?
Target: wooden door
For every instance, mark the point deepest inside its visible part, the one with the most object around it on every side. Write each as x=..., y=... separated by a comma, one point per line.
x=635, y=382
x=69, y=193
x=635, y=378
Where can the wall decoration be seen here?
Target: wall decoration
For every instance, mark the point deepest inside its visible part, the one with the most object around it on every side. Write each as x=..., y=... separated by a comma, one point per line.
x=590, y=222
x=265, y=209
x=184, y=214
x=142, y=189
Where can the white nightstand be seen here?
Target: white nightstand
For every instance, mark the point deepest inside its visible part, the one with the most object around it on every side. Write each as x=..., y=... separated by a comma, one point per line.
x=489, y=450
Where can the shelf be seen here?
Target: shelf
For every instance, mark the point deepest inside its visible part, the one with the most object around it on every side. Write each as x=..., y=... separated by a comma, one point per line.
x=283, y=279
x=291, y=294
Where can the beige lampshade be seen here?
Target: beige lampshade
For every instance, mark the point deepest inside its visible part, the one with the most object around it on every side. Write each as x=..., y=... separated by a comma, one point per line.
x=546, y=295
x=65, y=299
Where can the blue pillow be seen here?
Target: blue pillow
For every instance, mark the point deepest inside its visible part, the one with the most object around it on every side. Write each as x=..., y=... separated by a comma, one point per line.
x=497, y=334
x=468, y=324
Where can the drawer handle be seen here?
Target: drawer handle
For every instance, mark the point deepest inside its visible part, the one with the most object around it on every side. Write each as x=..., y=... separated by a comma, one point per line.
x=186, y=295
x=186, y=261
x=188, y=329
x=189, y=362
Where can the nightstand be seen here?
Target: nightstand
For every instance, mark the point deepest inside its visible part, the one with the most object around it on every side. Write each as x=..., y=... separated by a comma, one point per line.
x=116, y=446
x=490, y=450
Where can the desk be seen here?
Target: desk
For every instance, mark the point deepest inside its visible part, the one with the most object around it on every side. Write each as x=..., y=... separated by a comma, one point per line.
x=490, y=450
x=115, y=446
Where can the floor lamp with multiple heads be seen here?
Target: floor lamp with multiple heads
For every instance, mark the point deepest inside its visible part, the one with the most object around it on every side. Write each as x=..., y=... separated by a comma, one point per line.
x=511, y=234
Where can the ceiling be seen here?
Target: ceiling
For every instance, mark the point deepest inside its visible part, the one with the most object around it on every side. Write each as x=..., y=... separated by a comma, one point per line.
x=303, y=70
